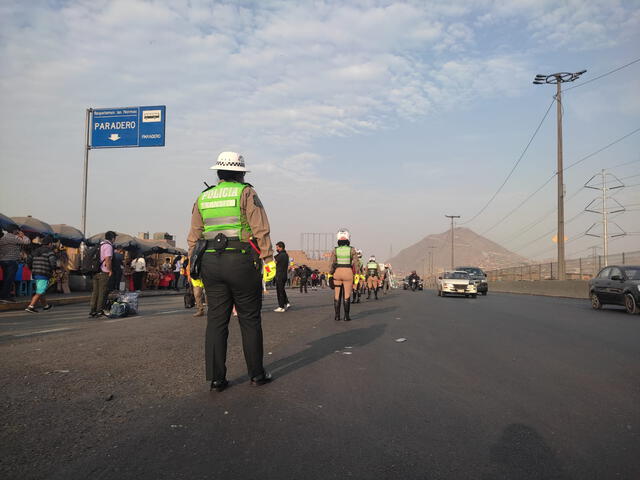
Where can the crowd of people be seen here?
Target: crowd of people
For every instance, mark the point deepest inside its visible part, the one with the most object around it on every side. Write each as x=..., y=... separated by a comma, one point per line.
x=21, y=263
x=231, y=262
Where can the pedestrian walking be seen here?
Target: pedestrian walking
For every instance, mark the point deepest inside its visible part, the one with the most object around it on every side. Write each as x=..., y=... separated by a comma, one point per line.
x=282, y=268
x=43, y=263
x=231, y=221
x=62, y=271
x=10, y=254
x=344, y=261
x=100, y=280
x=303, y=273
x=177, y=265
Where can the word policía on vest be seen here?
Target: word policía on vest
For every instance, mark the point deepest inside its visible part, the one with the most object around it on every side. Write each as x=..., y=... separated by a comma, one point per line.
x=217, y=193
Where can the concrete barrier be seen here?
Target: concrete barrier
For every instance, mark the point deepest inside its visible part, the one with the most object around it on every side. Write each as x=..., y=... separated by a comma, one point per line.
x=550, y=288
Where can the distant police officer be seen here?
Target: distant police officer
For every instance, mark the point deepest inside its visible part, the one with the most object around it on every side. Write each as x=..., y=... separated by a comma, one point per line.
x=373, y=277
x=232, y=221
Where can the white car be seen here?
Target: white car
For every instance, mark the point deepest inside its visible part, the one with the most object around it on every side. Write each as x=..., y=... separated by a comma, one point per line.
x=456, y=283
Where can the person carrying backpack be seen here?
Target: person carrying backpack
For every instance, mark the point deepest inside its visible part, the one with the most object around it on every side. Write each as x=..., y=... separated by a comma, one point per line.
x=43, y=263
x=101, y=277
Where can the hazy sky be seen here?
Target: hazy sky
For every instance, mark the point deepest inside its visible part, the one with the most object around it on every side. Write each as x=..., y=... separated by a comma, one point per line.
x=380, y=117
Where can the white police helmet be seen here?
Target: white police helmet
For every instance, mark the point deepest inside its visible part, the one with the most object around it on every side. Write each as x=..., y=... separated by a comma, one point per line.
x=231, y=161
x=343, y=234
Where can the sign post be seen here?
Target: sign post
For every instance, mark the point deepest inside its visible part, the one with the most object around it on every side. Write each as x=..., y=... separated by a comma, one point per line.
x=121, y=128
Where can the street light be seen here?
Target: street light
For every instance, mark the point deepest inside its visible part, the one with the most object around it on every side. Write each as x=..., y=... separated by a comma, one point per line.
x=558, y=79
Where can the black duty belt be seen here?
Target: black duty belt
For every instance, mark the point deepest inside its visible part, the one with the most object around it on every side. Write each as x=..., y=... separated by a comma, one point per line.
x=233, y=246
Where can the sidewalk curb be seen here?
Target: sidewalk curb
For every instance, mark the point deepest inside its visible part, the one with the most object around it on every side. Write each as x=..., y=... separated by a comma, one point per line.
x=22, y=304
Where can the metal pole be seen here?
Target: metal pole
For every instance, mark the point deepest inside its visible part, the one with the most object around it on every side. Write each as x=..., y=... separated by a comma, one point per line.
x=85, y=176
x=561, y=264
x=605, y=227
x=452, y=256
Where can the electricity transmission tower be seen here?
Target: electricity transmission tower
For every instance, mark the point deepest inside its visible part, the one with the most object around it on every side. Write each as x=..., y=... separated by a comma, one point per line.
x=603, y=206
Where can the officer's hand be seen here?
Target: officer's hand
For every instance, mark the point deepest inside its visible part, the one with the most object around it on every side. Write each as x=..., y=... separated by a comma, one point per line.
x=269, y=271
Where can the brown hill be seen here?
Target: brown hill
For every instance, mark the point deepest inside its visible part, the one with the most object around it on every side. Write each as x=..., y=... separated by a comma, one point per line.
x=298, y=257
x=470, y=249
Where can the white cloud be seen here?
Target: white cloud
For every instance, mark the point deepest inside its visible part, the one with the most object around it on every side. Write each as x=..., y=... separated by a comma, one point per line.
x=271, y=78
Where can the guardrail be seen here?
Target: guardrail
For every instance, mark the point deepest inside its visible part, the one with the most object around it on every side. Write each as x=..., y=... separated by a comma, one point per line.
x=583, y=268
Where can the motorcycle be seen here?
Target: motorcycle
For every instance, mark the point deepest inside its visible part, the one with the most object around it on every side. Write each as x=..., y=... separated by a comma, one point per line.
x=413, y=284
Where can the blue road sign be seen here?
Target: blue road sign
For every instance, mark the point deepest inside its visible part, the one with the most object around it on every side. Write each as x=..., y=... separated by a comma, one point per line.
x=128, y=127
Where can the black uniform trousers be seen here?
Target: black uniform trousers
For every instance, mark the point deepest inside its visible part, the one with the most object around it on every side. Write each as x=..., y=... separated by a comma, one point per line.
x=230, y=279
x=282, y=294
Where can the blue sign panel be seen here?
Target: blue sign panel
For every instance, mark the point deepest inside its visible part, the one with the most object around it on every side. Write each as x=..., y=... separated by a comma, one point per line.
x=128, y=127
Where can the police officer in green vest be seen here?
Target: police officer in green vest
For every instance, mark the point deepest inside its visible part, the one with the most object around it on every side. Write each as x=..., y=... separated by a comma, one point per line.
x=232, y=221
x=373, y=277
x=344, y=261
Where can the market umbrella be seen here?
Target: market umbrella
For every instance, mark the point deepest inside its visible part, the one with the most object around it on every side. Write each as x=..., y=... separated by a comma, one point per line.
x=123, y=240
x=68, y=235
x=32, y=226
x=149, y=246
x=6, y=222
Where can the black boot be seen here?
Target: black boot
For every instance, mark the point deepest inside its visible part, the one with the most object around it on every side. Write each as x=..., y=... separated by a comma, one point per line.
x=375, y=292
x=336, y=306
x=347, y=307
x=355, y=295
x=368, y=293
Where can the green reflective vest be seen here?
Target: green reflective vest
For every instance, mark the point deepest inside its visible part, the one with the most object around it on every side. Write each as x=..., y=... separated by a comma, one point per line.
x=372, y=268
x=220, y=210
x=343, y=256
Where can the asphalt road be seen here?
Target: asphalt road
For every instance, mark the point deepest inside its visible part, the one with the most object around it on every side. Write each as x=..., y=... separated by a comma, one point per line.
x=498, y=387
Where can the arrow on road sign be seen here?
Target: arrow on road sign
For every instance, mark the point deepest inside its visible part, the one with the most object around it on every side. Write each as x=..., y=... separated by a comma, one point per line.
x=114, y=136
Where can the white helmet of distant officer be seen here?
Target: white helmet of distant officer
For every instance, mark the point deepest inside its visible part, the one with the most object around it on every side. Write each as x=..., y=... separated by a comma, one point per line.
x=343, y=234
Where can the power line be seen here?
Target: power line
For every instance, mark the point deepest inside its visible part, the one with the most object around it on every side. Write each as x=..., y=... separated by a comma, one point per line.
x=547, y=233
x=601, y=149
x=544, y=117
x=553, y=176
x=630, y=176
x=603, y=75
x=624, y=164
x=545, y=216
x=552, y=247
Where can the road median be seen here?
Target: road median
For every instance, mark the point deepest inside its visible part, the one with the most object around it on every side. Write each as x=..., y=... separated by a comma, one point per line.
x=549, y=288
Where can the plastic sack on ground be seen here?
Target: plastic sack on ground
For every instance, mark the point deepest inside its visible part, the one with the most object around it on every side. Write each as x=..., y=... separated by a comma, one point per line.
x=130, y=298
x=119, y=310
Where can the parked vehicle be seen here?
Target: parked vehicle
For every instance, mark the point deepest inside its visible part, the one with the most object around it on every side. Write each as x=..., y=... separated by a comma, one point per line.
x=616, y=285
x=478, y=277
x=456, y=283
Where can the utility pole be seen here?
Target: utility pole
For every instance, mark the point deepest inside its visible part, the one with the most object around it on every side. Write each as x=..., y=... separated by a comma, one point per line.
x=430, y=256
x=559, y=79
x=603, y=210
x=431, y=247
x=452, y=257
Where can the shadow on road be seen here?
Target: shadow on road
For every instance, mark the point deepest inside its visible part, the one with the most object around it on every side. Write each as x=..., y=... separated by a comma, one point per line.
x=323, y=347
x=356, y=314
x=522, y=453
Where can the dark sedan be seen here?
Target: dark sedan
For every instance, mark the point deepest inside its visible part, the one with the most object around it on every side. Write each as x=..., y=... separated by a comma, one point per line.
x=616, y=285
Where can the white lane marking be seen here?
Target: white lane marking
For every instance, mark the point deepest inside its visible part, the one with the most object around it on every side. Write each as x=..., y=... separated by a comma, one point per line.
x=116, y=320
x=40, y=332
x=168, y=311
